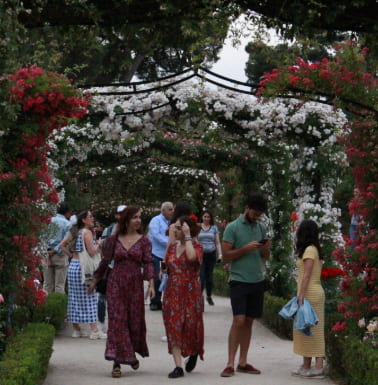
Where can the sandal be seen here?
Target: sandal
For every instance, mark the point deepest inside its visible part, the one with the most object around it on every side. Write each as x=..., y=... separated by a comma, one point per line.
x=135, y=365
x=116, y=372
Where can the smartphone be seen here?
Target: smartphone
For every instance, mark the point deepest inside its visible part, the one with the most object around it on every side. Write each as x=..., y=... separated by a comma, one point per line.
x=263, y=241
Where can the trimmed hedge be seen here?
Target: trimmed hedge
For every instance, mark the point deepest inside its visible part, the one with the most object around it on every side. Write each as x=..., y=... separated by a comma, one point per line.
x=220, y=281
x=27, y=355
x=53, y=311
x=350, y=360
x=279, y=325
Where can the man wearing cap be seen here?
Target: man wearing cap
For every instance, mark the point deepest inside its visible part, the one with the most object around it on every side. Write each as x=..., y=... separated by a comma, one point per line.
x=158, y=235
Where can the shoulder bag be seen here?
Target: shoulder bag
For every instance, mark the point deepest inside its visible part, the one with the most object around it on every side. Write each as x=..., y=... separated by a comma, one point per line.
x=102, y=284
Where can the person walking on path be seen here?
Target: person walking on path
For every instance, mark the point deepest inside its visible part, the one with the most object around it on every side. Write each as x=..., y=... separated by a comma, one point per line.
x=208, y=237
x=108, y=231
x=246, y=247
x=182, y=303
x=309, y=264
x=157, y=233
x=82, y=307
x=131, y=251
x=56, y=263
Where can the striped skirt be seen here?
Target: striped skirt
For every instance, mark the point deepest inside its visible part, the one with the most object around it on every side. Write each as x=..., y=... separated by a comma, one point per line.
x=82, y=308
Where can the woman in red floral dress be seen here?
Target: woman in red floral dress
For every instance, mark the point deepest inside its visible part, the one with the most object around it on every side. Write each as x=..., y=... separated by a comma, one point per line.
x=182, y=303
x=130, y=251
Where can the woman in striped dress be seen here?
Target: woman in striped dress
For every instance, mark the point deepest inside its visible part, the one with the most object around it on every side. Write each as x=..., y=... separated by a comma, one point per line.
x=82, y=308
x=309, y=263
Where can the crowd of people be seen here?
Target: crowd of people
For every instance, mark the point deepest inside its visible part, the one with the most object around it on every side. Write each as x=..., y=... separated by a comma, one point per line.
x=176, y=257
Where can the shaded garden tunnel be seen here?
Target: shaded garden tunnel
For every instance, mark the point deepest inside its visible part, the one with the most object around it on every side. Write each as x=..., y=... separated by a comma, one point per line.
x=200, y=176
x=213, y=170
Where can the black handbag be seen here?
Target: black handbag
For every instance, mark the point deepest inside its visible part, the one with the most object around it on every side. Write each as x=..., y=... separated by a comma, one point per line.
x=102, y=284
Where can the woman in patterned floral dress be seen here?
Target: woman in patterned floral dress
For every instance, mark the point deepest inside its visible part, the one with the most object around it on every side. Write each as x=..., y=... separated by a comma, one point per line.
x=182, y=303
x=130, y=251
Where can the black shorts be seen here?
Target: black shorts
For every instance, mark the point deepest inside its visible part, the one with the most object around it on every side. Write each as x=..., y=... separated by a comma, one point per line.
x=247, y=298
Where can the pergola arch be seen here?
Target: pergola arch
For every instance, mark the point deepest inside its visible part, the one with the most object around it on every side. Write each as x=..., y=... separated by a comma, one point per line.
x=286, y=148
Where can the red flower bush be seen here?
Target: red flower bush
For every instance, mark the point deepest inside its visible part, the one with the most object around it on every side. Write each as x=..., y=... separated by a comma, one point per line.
x=48, y=97
x=331, y=272
x=345, y=83
x=32, y=104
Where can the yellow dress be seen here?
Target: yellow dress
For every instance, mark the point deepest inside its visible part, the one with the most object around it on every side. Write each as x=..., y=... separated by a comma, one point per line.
x=311, y=346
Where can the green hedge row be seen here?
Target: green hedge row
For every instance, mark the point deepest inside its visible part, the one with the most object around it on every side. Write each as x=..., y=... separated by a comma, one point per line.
x=350, y=360
x=220, y=279
x=53, y=311
x=279, y=325
x=28, y=351
x=27, y=355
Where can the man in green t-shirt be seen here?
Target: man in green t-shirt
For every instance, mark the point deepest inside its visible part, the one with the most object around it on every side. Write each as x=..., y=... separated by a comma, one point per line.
x=246, y=247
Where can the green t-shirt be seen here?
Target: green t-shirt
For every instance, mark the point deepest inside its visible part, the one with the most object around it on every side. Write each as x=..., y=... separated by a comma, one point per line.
x=250, y=267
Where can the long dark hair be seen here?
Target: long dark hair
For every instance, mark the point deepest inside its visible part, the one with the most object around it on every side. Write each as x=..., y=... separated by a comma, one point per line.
x=181, y=208
x=307, y=235
x=125, y=219
x=82, y=215
x=194, y=228
x=210, y=214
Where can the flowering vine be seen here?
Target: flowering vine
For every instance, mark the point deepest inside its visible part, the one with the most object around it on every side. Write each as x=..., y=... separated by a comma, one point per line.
x=33, y=104
x=286, y=141
x=344, y=82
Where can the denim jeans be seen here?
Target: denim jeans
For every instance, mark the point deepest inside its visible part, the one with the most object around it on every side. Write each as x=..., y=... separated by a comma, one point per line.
x=207, y=268
x=101, y=307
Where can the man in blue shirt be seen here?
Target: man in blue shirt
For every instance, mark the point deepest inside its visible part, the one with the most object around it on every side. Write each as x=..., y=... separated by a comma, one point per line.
x=56, y=263
x=158, y=235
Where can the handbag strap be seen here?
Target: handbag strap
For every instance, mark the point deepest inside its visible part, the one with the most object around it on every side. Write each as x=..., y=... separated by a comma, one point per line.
x=114, y=246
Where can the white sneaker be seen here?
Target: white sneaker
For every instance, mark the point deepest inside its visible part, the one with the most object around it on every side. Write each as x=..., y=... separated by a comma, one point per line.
x=76, y=334
x=101, y=326
x=314, y=373
x=99, y=335
x=300, y=371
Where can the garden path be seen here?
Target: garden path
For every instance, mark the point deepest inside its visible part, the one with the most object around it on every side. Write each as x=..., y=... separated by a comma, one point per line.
x=80, y=361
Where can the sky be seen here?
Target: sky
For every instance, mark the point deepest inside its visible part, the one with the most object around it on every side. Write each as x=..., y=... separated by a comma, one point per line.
x=233, y=59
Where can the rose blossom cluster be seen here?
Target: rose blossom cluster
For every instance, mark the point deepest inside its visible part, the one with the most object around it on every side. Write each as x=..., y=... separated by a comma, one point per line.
x=47, y=96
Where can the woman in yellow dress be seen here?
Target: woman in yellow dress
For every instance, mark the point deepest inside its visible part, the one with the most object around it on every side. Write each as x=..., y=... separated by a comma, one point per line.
x=309, y=263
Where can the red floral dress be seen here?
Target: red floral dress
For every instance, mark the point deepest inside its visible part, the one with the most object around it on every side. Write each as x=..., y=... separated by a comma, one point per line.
x=125, y=298
x=182, y=303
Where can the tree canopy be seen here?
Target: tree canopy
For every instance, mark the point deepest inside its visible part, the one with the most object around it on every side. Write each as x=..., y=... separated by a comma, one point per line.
x=107, y=42
x=310, y=15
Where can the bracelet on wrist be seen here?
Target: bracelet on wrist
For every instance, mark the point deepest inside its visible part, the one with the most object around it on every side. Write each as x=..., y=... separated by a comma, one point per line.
x=188, y=239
